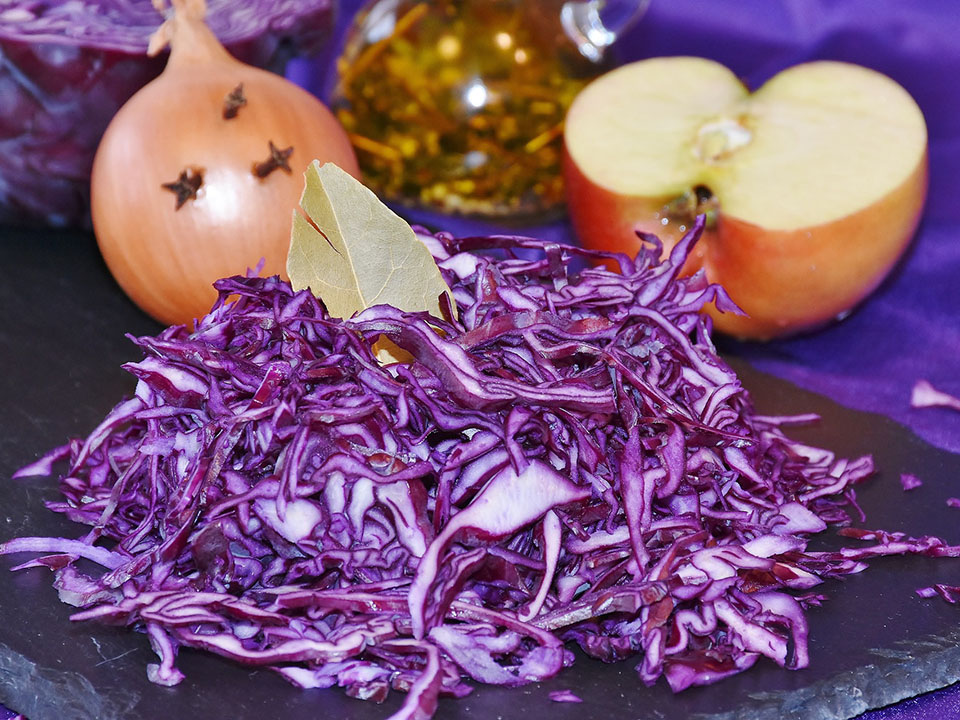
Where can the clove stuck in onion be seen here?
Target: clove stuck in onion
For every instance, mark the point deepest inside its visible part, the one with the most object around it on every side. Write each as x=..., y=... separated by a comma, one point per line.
x=198, y=174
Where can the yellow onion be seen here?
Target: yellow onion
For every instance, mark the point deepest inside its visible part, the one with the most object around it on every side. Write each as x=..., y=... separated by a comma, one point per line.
x=198, y=174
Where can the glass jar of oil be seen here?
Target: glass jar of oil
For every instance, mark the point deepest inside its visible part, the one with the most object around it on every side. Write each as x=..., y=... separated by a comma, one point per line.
x=457, y=106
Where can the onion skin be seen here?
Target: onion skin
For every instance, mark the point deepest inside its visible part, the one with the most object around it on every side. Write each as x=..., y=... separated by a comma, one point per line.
x=166, y=259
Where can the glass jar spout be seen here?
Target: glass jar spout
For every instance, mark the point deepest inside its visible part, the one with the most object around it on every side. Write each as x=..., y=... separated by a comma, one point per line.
x=594, y=25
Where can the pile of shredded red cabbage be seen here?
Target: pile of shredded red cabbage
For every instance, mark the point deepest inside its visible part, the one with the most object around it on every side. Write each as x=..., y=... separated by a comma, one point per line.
x=569, y=461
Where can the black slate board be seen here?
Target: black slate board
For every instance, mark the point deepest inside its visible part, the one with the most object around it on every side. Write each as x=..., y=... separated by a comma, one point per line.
x=62, y=326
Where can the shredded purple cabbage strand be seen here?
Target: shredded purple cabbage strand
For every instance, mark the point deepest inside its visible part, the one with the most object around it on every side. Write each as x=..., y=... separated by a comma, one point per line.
x=567, y=462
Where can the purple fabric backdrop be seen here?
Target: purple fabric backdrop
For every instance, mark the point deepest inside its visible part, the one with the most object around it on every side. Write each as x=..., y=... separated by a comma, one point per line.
x=910, y=328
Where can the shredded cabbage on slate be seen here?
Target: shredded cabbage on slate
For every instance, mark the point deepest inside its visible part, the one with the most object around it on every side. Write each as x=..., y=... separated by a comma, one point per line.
x=568, y=462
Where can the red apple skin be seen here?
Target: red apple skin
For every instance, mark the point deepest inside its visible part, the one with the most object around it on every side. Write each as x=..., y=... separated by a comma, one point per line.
x=786, y=282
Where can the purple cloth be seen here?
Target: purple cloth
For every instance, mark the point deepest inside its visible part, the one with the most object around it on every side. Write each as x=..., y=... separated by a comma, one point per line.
x=938, y=704
x=910, y=328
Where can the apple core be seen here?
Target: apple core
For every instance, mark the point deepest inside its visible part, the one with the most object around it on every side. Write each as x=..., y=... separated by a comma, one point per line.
x=718, y=139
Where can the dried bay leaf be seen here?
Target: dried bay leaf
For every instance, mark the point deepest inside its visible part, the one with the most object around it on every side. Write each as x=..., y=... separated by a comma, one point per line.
x=353, y=252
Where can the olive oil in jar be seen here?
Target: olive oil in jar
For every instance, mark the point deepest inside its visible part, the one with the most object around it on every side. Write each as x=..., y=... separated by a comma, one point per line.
x=458, y=106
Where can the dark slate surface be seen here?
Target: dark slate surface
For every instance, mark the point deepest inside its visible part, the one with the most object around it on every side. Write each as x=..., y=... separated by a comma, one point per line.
x=62, y=325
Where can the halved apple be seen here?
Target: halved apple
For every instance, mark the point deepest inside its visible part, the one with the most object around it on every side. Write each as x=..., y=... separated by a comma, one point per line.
x=813, y=184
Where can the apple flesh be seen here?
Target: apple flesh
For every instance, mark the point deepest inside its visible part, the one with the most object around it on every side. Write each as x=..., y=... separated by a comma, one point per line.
x=813, y=184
